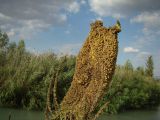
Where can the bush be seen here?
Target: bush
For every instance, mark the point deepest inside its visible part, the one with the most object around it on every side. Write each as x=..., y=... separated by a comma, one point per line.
x=131, y=89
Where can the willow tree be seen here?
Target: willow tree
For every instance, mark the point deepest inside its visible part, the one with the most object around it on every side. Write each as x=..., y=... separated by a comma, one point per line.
x=95, y=66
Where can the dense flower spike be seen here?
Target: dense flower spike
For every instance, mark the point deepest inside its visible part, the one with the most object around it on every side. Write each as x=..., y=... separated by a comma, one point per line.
x=95, y=66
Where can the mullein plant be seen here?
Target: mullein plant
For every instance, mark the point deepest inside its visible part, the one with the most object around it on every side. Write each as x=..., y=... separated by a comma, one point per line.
x=94, y=69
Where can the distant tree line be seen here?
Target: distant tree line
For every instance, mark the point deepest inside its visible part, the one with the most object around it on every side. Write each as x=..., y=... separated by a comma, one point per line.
x=132, y=88
x=25, y=78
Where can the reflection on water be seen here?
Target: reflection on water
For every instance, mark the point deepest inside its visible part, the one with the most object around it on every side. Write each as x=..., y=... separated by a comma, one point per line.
x=18, y=114
x=134, y=115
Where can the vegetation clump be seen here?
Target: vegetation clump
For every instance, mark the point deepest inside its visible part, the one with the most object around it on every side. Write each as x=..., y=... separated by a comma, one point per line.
x=149, y=67
x=131, y=89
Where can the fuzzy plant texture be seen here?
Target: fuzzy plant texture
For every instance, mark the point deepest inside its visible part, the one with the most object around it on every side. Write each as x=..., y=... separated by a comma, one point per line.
x=94, y=69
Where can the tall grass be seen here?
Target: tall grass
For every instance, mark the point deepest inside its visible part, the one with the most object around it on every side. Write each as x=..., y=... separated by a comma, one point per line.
x=25, y=77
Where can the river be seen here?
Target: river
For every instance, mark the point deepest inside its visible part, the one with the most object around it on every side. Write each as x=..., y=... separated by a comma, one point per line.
x=19, y=114
x=134, y=115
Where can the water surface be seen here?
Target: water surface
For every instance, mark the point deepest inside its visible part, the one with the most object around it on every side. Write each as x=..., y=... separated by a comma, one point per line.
x=134, y=115
x=19, y=114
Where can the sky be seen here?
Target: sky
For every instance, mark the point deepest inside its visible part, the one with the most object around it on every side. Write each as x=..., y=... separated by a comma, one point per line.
x=61, y=26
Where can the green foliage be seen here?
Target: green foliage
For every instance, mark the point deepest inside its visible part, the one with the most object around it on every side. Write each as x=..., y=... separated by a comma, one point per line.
x=25, y=77
x=131, y=89
x=128, y=66
x=149, y=67
x=3, y=45
x=3, y=40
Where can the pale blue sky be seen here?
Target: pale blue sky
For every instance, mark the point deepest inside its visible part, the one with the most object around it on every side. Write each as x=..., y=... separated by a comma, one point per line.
x=63, y=25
